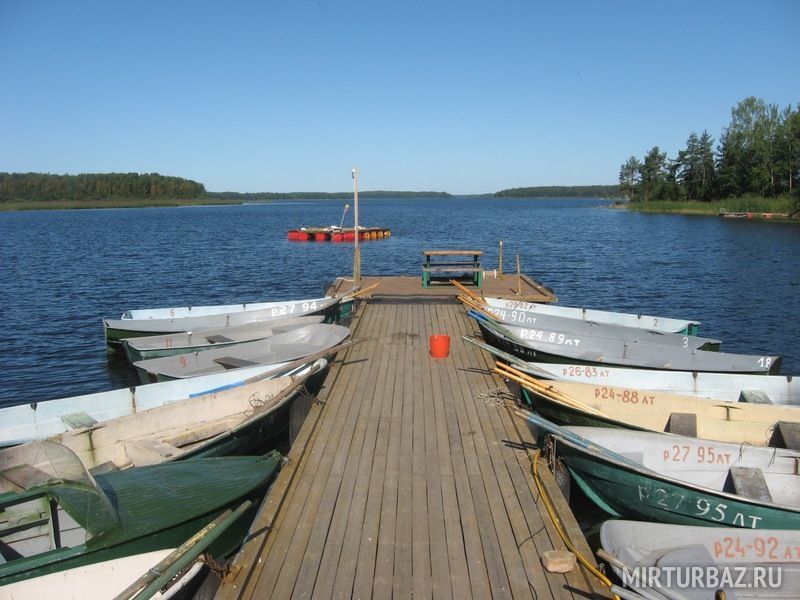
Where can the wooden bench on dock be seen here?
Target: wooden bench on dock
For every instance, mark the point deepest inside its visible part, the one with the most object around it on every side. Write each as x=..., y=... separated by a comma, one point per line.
x=451, y=265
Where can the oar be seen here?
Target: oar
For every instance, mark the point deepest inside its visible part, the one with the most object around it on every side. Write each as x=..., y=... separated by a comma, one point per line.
x=351, y=295
x=510, y=358
x=158, y=576
x=472, y=305
x=466, y=290
x=545, y=390
x=579, y=440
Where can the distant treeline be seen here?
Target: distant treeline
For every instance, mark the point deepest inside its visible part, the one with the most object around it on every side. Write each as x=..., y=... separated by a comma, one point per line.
x=562, y=191
x=44, y=187
x=758, y=154
x=255, y=196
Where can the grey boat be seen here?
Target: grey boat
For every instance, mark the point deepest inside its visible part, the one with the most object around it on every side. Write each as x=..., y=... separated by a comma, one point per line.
x=562, y=324
x=289, y=346
x=536, y=345
x=147, y=323
x=170, y=344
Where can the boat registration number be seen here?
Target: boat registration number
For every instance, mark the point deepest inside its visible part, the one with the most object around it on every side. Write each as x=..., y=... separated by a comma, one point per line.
x=695, y=505
x=763, y=548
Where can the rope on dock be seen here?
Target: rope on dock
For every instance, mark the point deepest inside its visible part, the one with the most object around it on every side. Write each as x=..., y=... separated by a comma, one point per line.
x=548, y=504
x=497, y=397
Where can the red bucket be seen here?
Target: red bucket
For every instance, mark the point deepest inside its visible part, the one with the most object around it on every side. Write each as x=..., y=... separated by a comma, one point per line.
x=440, y=346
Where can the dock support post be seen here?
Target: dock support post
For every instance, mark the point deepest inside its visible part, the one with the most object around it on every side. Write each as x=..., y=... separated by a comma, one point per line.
x=500, y=262
x=357, y=251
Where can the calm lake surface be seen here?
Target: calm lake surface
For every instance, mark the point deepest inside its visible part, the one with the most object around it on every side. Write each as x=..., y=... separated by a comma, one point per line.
x=63, y=271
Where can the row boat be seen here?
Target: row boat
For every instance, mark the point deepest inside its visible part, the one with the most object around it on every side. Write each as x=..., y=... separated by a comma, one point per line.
x=506, y=308
x=571, y=403
x=765, y=389
x=56, y=516
x=696, y=561
x=676, y=479
x=538, y=346
x=239, y=420
x=99, y=581
x=547, y=326
x=171, y=344
x=26, y=422
x=139, y=323
x=732, y=387
x=293, y=345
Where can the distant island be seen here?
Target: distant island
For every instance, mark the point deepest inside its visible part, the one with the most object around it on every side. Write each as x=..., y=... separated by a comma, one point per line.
x=39, y=191
x=256, y=196
x=562, y=191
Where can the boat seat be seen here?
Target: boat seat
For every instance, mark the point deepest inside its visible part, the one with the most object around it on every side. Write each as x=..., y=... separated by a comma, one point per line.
x=786, y=435
x=754, y=397
x=218, y=339
x=105, y=467
x=78, y=420
x=27, y=476
x=750, y=483
x=682, y=424
x=148, y=452
x=230, y=362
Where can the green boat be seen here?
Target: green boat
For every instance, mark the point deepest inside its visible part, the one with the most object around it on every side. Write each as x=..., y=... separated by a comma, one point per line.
x=57, y=516
x=674, y=479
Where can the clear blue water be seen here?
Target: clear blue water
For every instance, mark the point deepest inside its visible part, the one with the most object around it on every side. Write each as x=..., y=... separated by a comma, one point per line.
x=62, y=271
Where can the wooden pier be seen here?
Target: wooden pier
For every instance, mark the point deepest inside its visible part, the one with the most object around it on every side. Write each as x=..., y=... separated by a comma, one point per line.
x=411, y=477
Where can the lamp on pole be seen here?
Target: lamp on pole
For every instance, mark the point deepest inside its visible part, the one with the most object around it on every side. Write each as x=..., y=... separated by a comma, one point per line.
x=357, y=252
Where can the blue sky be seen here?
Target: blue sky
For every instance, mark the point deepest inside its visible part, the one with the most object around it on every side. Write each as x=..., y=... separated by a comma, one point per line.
x=465, y=97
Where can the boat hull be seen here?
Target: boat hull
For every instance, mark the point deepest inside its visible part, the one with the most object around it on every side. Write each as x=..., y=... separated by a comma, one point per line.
x=161, y=507
x=650, y=358
x=626, y=493
x=117, y=330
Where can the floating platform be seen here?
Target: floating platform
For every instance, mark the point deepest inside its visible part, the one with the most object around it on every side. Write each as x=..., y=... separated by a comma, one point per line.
x=410, y=478
x=338, y=234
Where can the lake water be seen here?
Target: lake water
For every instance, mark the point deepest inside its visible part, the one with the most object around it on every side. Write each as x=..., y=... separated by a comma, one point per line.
x=62, y=271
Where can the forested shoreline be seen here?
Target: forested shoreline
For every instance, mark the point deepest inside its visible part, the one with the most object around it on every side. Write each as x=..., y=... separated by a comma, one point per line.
x=45, y=187
x=562, y=191
x=758, y=156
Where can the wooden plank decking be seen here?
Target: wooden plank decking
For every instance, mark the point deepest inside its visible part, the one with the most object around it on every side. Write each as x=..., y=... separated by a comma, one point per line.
x=408, y=479
x=410, y=287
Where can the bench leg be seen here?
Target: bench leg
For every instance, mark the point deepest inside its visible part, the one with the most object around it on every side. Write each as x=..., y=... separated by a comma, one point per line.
x=426, y=279
x=479, y=279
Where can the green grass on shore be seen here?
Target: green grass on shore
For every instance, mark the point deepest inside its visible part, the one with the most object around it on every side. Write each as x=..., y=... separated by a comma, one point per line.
x=752, y=204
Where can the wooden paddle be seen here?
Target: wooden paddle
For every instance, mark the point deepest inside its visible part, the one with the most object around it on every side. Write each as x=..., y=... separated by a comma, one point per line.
x=538, y=387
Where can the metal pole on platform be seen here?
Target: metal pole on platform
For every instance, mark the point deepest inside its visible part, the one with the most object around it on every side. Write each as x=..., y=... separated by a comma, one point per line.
x=357, y=252
x=500, y=261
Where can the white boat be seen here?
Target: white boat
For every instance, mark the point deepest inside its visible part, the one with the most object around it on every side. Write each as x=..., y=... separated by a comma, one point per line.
x=235, y=420
x=170, y=344
x=647, y=322
x=290, y=346
x=162, y=320
x=682, y=480
x=744, y=563
x=98, y=581
x=26, y=422
x=538, y=345
x=731, y=387
x=562, y=324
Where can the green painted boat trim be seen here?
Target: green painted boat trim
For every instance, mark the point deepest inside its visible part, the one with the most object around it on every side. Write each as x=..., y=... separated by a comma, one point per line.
x=147, y=508
x=567, y=415
x=643, y=494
